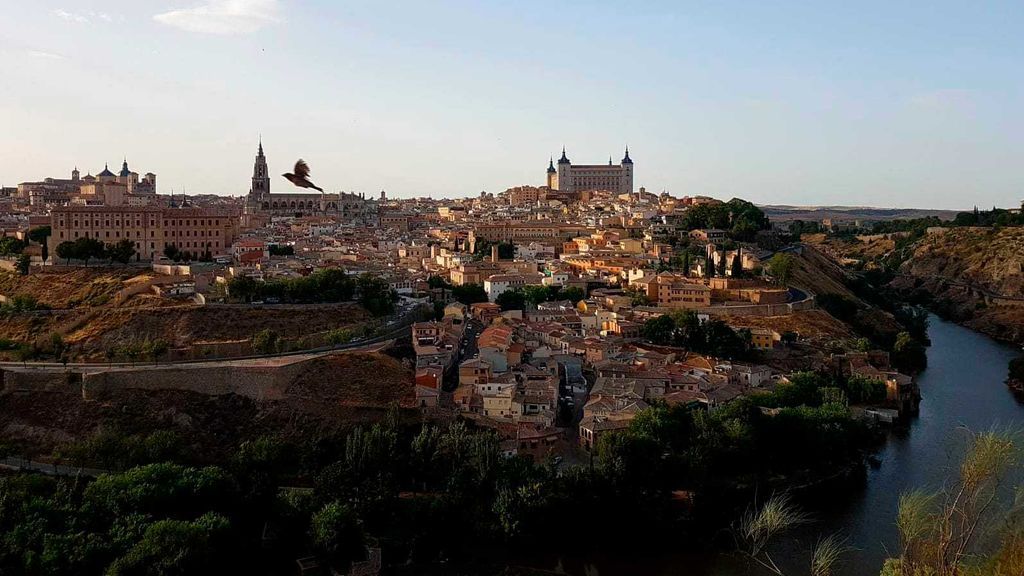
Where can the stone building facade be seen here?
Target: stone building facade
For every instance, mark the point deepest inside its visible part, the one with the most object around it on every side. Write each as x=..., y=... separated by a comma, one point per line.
x=583, y=177
x=152, y=228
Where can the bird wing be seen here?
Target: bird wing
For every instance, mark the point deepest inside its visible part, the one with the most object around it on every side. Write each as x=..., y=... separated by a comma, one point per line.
x=302, y=169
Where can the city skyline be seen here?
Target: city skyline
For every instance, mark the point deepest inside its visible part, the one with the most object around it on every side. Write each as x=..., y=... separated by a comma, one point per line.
x=784, y=105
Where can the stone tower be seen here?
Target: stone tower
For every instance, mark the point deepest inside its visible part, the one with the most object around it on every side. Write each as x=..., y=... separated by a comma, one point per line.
x=552, y=175
x=260, y=176
x=564, y=168
x=627, y=176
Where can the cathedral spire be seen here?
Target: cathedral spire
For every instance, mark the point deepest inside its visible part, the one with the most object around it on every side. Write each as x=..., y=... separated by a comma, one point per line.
x=563, y=159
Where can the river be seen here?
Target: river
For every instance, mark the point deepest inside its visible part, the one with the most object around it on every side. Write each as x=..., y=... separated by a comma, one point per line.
x=963, y=389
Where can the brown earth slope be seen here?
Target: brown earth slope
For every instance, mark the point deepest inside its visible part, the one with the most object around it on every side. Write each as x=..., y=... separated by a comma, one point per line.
x=181, y=326
x=83, y=313
x=961, y=269
x=824, y=277
x=70, y=288
x=332, y=395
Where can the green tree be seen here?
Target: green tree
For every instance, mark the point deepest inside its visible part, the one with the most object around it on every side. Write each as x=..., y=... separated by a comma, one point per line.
x=177, y=548
x=57, y=346
x=243, y=288
x=375, y=295
x=438, y=282
x=1015, y=370
x=863, y=390
x=171, y=252
x=469, y=293
x=336, y=532
x=123, y=251
x=41, y=236
x=572, y=294
x=158, y=349
x=23, y=264
x=908, y=354
x=737, y=264
x=11, y=246
x=86, y=249
x=511, y=300
x=660, y=330
x=781, y=267
x=535, y=295
x=67, y=251
x=266, y=341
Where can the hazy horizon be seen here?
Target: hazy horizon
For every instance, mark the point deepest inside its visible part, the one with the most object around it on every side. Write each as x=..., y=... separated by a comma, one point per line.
x=870, y=104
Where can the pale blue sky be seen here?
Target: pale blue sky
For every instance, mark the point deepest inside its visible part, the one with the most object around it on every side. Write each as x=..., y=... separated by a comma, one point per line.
x=857, y=103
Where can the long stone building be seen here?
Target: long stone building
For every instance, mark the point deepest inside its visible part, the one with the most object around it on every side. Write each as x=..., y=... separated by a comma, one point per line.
x=151, y=228
x=583, y=177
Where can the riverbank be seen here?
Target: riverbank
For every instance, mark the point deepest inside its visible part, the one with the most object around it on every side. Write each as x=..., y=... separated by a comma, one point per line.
x=963, y=389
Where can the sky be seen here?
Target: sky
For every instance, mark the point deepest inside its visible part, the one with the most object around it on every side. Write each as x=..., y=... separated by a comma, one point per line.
x=896, y=104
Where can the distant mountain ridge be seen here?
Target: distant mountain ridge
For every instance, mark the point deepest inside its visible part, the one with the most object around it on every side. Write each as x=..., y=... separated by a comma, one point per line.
x=783, y=212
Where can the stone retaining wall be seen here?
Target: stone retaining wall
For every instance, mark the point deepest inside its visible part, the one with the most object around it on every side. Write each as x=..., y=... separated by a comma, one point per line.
x=763, y=309
x=256, y=382
x=14, y=381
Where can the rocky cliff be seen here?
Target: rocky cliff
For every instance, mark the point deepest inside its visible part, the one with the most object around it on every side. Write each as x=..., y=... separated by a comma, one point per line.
x=972, y=275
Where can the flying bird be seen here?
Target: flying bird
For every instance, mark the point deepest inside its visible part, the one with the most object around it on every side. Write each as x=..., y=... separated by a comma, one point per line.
x=301, y=176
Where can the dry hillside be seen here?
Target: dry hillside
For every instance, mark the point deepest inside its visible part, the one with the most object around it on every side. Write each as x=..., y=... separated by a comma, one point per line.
x=957, y=270
x=984, y=257
x=820, y=274
x=71, y=288
x=83, y=313
x=333, y=395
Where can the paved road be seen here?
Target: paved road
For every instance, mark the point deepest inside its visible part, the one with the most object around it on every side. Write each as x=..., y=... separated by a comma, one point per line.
x=48, y=468
x=296, y=355
x=963, y=284
x=252, y=361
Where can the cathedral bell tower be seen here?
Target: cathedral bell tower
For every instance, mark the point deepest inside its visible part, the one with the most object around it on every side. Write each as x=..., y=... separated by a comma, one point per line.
x=260, y=176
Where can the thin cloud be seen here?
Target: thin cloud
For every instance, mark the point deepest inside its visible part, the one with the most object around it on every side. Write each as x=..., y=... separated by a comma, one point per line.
x=45, y=55
x=69, y=16
x=84, y=17
x=223, y=16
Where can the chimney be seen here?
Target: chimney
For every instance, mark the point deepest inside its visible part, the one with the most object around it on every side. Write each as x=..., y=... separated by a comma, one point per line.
x=494, y=253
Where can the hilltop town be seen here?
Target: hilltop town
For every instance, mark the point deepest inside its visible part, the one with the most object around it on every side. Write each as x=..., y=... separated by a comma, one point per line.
x=551, y=314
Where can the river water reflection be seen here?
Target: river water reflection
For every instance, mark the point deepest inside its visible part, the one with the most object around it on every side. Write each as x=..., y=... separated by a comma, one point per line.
x=963, y=389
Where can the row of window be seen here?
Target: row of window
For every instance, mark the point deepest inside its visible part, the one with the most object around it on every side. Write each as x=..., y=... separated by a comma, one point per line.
x=152, y=234
x=152, y=245
x=152, y=221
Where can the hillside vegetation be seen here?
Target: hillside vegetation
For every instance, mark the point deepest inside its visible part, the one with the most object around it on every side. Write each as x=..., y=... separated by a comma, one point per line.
x=78, y=305
x=969, y=274
x=334, y=393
